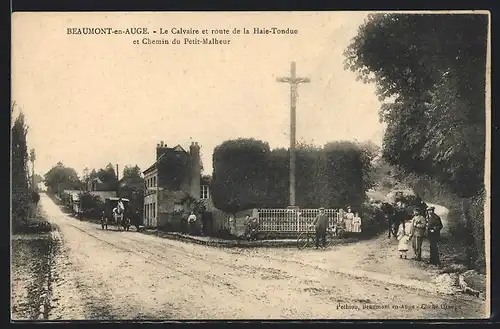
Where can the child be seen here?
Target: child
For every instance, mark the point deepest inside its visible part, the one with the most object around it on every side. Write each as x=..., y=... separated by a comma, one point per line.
x=403, y=236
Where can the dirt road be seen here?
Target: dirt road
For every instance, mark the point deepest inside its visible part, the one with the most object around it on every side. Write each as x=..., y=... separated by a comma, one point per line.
x=127, y=275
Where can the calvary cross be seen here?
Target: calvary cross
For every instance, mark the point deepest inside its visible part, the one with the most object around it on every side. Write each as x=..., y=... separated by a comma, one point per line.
x=294, y=81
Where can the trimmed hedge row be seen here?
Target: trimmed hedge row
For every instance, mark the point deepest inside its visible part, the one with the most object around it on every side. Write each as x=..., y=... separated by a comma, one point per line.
x=248, y=174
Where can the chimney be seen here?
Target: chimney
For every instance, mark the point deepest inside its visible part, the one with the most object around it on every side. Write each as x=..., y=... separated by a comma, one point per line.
x=160, y=149
x=194, y=151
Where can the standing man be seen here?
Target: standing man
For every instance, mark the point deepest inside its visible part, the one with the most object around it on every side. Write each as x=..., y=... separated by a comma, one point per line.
x=247, y=225
x=417, y=233
x=320, y=224
x=191, y=222
x=434, y=226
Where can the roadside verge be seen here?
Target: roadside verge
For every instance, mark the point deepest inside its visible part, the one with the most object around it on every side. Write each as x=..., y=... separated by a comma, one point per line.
x=221, y=243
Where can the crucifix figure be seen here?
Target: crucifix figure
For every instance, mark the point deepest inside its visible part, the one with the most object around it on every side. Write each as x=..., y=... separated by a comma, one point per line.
x=294, y=81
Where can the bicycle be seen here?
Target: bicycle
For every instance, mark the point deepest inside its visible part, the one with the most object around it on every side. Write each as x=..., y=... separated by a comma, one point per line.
x=309, y=237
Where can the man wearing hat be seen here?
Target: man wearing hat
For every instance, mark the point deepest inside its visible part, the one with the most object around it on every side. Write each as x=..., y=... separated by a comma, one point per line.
x=434, y=226
x=418, y=224
x=320, y=224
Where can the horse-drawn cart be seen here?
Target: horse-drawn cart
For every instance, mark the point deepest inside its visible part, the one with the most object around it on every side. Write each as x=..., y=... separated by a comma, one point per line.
x=112, y=214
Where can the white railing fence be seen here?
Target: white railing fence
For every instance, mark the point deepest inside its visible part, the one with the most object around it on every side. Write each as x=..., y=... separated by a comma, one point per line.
x=292, y=220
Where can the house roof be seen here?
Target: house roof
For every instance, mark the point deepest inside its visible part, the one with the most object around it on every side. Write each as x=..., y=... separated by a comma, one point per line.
x=103, y=194
x=96, y=179
x=177, y=148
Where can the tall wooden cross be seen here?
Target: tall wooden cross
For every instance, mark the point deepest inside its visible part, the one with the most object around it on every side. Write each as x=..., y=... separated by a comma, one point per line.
x=294, y=81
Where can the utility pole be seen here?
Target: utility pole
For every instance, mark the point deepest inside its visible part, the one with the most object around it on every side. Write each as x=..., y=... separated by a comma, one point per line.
x=294, y=81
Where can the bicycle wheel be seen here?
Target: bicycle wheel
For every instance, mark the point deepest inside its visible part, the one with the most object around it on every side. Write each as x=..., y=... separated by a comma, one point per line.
x=329, y=238
x=302, y=240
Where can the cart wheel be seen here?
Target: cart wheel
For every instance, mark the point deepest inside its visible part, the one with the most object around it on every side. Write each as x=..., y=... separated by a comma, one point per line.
x=302, y=240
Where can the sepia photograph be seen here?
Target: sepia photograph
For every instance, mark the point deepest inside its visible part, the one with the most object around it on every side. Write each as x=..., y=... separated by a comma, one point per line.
x=170, y=166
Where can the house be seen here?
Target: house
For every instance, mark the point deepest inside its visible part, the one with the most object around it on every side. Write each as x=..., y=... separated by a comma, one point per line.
x=97, y=187
x=174, y=175
x=96, y=184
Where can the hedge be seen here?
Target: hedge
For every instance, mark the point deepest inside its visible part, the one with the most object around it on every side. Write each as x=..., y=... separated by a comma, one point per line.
x=247, y=174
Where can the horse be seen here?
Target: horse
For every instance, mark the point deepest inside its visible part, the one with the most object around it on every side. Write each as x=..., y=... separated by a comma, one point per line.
x=389, y=212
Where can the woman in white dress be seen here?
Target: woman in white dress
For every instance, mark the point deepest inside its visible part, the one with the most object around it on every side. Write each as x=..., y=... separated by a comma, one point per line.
x=356, y=223
x=403, y=236
x=348, y=219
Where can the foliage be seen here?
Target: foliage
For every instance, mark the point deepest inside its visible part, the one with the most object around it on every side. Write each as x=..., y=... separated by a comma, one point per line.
x=238, y=181
x=38, y=179
x=373, y=220
x=132, y=188
x=89, y=202
x=61, y=178
x=247, y=175
x=194, y=205
x=108, y=177
x=21, y=197
x=430, y=70
x=345, y=174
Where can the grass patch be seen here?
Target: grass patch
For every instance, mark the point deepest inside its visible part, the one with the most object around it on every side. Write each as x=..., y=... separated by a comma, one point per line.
x=35, y=223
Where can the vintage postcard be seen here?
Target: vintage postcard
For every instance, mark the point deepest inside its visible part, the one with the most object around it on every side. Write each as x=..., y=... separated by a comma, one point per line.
x=250, y=165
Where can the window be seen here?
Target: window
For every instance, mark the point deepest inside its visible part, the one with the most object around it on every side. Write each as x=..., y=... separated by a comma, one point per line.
x=154, y=181
x=204, y=192
x=154, y=210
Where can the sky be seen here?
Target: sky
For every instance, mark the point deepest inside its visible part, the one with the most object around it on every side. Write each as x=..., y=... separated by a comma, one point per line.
x=91, y=100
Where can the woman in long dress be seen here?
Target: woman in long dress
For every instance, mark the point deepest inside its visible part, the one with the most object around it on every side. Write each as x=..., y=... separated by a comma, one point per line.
x=356, y=223
x=348, y=219
x=403, y=236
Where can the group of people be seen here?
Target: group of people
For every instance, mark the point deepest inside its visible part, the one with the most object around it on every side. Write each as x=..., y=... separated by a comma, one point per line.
x=415, y=229
x=349, y=221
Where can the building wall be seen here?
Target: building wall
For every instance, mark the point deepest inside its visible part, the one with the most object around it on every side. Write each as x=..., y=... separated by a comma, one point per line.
x=195, y=170
x=150, y=211
x=159, y=207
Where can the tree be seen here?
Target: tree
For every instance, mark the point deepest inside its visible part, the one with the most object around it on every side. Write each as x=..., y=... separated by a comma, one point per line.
x=430, y=71
x=132, y=176
x=61, y=178
x=38, y=179
x=132, y=188
x=108, y=177
x=20, y=193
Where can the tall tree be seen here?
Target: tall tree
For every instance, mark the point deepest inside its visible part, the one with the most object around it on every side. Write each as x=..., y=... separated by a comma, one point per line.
x=19, y=160
x=108, y=177
x=132, y=176
x=430, y=71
